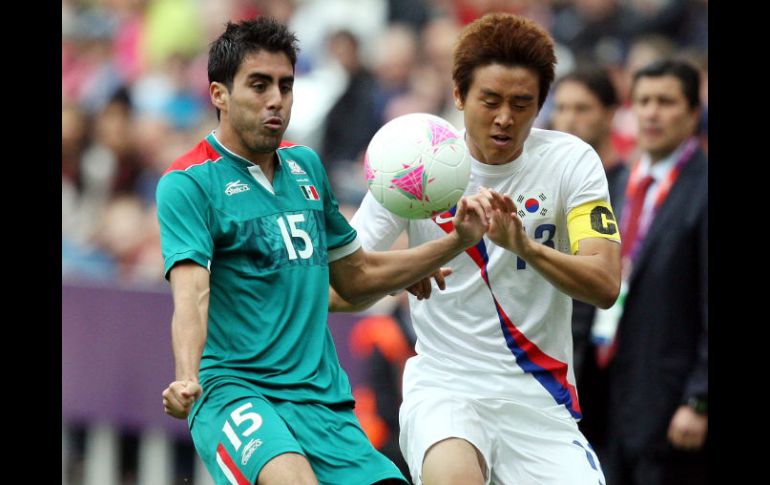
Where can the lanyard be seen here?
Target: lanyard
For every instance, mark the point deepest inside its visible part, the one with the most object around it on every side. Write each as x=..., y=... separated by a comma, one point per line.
x=663, y=190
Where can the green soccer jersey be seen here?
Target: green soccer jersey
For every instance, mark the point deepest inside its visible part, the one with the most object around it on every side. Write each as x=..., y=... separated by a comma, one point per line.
x=267, y=247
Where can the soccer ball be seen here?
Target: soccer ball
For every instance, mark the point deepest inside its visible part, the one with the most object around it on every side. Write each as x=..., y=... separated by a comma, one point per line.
x=417, y=165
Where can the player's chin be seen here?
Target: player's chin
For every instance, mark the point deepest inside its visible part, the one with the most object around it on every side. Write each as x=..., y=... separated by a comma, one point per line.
x=268, y=143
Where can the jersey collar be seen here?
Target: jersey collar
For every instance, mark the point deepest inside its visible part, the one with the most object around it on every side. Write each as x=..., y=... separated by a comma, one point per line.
x=226, y=152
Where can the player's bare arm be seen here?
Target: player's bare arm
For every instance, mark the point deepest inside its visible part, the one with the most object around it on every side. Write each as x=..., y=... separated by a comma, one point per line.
x=190, y=290
x=421, y=289
x=591, y=275
x=364, y=277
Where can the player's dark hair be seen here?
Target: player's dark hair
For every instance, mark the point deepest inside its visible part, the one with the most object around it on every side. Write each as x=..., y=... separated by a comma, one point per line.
x=687, y=74
x=506, y=39
x=246, y=37
x=595, y=79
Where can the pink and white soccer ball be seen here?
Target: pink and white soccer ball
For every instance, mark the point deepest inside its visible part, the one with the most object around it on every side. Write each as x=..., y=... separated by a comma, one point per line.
x=417, y=165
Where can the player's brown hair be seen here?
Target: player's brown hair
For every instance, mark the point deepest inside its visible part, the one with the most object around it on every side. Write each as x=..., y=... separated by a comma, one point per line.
x=506, y=39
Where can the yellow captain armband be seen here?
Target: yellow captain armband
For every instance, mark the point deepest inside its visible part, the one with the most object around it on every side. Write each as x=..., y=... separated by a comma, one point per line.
x=592, y=219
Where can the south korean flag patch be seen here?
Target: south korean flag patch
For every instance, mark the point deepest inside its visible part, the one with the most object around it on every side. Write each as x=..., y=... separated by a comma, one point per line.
x=310, y=192
x=532, y=203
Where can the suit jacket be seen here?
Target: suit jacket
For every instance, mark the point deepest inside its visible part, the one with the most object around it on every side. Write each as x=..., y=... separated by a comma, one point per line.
x=662, y=346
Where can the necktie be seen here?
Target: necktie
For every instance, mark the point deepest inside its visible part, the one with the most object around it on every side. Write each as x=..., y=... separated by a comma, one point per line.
x=635, y=214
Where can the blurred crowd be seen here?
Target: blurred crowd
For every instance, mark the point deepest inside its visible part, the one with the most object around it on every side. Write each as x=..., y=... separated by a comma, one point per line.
x=135, y=92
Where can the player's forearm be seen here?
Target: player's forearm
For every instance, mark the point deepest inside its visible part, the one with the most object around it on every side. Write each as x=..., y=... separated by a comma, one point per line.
x=188, y=332
x=591, y=278
x=190, y=289
x=379, y=273
x=337, y=304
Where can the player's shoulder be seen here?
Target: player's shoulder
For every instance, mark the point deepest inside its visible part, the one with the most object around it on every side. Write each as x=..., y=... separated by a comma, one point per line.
x=540, y=139
x=191, y=173
x=562, y=150
x=195, y=160
x=298, y=157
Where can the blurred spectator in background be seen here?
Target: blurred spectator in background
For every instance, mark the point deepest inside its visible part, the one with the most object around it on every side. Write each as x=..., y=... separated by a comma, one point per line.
x=106, y=165
x=171, y=27
x=438, y=40
x=659, y=374
x=89, y=71
x=75, y=137
x=584, y=105
x=414, y=13
x=122, y=248
x=643, y=51
x=595, y=30
x=351, y=122
x=396, y=57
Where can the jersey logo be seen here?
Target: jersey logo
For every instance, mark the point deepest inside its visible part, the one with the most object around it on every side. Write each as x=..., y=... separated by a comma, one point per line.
x=295, y=168
x=310, y=192
x=441, y=219
x=236, y=188
x=249, y=450
x=535, y=203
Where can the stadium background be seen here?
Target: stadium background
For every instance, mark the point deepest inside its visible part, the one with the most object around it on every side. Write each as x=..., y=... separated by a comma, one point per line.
x=135, y=96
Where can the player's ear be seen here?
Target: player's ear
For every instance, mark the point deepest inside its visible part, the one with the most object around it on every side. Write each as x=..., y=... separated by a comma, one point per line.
x=458, y=98
x=219, y=95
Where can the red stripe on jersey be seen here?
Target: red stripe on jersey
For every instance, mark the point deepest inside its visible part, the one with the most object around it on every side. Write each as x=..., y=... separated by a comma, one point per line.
x=315, y=192
x=230, y=464
x=556, y=368
x=202, y=152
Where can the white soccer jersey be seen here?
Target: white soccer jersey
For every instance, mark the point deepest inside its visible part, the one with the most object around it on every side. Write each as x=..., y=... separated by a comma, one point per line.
x=510, y=338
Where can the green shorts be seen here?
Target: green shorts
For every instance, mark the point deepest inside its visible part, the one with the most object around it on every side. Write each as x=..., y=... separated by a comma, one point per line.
x=236, y=431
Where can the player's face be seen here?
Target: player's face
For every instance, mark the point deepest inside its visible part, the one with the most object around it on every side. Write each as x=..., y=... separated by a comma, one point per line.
x=664, y=117
x=499, y=110
x=579, y=112
x=258, y=107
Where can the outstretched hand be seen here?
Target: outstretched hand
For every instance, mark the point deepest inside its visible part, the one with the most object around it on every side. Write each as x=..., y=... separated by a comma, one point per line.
x=422, y=288
x=179, y=397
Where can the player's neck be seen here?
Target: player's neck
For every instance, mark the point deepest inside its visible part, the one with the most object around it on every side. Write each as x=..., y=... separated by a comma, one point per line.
x=231, y=140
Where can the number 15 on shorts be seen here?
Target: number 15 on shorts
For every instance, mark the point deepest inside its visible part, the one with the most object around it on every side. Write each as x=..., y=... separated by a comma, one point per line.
x=238, y=417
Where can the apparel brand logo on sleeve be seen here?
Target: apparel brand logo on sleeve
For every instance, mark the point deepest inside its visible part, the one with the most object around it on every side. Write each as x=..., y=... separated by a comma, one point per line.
x=236, y=188
x=310, y=192
x=249, y=450
x=295, y=168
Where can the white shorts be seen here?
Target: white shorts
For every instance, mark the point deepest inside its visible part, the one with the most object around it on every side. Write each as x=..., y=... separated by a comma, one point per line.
x=521, y=445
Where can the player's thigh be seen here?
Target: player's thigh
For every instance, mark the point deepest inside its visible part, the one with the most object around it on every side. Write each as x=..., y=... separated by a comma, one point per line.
x=285, y=469
x=453, y=461
x=237, y=432
x=429, y=418
x=536, y=446
x=336, y=445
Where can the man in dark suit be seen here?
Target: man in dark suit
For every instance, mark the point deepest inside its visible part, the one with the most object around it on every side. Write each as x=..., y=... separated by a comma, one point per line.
x=659, y=373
